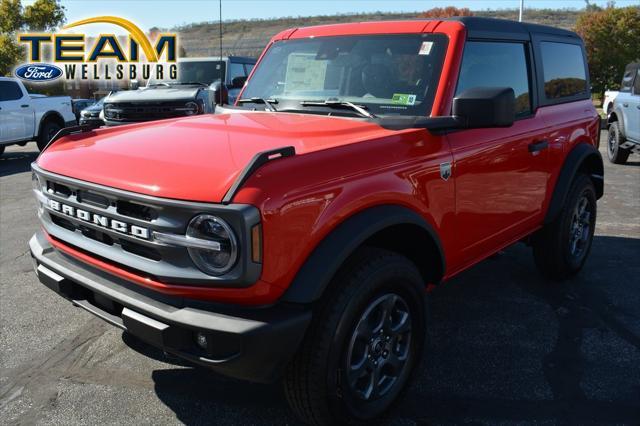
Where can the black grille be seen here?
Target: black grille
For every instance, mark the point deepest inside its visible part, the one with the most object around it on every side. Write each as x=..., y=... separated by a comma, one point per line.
x=137, y=211
x=59, y=189
x=93, y=199
x=144, y=111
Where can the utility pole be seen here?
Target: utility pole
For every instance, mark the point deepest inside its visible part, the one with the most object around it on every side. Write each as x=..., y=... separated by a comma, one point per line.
x=220, y=10
x=521, y=9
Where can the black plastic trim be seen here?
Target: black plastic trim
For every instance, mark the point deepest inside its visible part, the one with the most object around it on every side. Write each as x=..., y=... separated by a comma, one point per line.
x=572, y=164
x=248, y=343
x=321, y=266
x=66, y=131
x=256, y=162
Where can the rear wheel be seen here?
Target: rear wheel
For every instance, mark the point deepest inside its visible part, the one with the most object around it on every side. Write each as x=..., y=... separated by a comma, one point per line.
x=561, y=247
x=363, y=344
x=49, y=130
x=616, y=154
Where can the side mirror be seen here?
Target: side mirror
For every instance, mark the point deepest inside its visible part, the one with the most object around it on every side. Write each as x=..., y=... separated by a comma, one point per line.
x=485, y=107
x=134, y=85
x=220, y=93
x=238, y=82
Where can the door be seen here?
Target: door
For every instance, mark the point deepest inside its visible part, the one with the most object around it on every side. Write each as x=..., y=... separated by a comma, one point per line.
x=16, y=113
x=632, y=125
x=500, y=173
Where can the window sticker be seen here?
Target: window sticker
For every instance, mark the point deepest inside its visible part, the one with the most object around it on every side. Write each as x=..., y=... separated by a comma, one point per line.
x=403, y=99
x=425, y=48
x=304, y=72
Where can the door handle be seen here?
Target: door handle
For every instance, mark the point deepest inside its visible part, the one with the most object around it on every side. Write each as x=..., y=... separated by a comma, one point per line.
x=538, y=146
x=24, y=106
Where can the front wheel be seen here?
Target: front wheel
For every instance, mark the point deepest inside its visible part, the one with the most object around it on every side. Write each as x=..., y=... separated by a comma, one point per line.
x=615, y=152
x=561, y=247
x=363, y=344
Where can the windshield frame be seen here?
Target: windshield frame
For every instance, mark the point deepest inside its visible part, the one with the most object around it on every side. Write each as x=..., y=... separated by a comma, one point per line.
x=378, y=108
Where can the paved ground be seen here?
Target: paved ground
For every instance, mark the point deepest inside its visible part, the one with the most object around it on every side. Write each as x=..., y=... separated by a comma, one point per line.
x=506, y=347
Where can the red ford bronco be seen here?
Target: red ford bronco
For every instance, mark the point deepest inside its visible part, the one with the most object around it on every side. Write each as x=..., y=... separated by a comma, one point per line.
x=295, y=234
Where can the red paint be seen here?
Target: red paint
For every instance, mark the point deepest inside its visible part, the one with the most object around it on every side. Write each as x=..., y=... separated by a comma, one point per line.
x=498, y=193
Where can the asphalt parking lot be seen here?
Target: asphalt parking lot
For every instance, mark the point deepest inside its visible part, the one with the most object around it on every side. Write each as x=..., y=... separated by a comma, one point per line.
x=506, y=347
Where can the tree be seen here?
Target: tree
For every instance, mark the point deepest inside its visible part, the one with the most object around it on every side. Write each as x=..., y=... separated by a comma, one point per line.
x=446, y=12
x=611, y=38
x=42, y=15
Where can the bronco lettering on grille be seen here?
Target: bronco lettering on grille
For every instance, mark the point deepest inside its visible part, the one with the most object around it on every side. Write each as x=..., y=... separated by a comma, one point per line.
x=99, y=220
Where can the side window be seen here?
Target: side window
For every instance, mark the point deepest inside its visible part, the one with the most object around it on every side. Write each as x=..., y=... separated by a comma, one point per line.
x=627, y=80
x=9, y=91
x=235, y=70
x=563, y=70
x=497, y=64
x=636, y=85
x=248, y=68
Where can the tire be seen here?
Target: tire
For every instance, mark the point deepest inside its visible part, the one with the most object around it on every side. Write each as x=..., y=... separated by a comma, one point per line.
x=616, y=154
x=319, y=385
x=49, y=129
x=561, y=248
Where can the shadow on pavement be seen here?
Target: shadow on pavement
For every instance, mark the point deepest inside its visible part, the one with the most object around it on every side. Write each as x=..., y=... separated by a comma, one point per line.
x=16, y=162
x=505, y=345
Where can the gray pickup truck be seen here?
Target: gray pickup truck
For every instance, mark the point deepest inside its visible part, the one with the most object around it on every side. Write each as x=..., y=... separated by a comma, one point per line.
x=201, y=83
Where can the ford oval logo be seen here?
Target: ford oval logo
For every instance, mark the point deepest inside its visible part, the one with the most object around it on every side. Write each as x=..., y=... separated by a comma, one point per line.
x=38, y=72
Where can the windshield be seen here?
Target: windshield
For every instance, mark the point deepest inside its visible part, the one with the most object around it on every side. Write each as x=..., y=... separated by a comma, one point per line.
x=387, y=74
x=193, y=72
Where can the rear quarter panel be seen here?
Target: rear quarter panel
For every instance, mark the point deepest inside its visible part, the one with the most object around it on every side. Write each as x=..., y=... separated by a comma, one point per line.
x=568, y=124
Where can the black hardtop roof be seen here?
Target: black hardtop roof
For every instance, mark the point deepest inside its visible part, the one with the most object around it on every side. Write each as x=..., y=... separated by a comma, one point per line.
x=504, y=28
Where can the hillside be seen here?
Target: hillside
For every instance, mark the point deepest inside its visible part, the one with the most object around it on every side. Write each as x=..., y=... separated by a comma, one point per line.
x=248, y=38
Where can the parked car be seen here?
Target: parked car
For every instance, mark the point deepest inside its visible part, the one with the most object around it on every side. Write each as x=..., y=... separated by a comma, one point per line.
x=194, y=91
x=93, y=115
x=609, y=98
x=624, y=121
x=295, y=235
x=25, y=117
x=77, y=105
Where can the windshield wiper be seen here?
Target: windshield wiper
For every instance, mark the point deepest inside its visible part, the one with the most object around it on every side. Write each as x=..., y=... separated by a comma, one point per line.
x=256, y=100
x=331, y=103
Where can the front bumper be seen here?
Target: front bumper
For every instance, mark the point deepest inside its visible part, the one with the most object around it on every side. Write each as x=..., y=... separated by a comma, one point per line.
x=245, y=343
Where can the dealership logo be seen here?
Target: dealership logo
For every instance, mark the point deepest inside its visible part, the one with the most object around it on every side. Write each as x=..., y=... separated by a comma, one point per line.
x=105, y=57
x=38, y=72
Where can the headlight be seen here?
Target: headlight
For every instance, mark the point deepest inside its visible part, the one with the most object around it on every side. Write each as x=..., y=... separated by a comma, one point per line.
x=35, y=182
x=191, y=108
x=221, y=257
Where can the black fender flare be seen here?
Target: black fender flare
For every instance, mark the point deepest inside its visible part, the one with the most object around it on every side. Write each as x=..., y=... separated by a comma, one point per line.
x=619, y=118
x=326, y=259
x=583, y=157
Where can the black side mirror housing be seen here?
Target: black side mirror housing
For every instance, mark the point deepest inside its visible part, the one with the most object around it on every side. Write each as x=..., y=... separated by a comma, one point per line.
x=238, y=82
x=482, y=107
x=220, y=93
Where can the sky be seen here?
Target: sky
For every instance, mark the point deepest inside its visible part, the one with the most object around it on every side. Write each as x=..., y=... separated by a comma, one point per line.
x=171, y=13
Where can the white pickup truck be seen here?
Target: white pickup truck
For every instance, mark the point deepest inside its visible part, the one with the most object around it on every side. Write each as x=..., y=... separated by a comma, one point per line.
x=25, y=117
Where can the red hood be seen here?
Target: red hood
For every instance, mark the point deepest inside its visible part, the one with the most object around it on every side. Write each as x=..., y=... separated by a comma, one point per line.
x=195, y=158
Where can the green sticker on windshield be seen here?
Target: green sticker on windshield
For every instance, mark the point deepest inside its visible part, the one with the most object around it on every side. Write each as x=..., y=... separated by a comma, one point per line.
x=403, y=99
